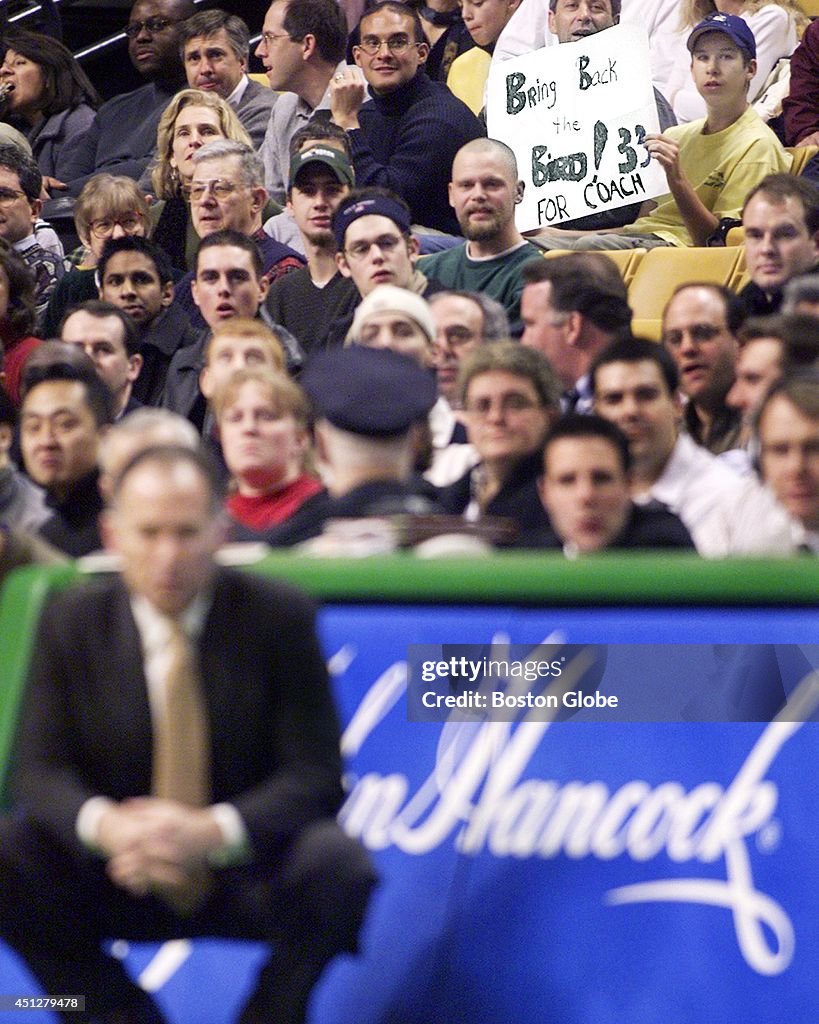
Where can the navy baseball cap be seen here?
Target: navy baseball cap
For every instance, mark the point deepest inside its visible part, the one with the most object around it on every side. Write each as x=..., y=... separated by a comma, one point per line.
x=379, y=206
x=369, y=391
x=730, y=25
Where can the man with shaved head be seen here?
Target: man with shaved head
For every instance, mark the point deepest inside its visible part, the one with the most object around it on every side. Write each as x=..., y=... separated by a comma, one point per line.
x=483, y=192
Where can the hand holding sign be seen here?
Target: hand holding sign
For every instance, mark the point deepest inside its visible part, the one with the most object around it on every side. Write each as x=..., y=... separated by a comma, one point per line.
x=667, y=153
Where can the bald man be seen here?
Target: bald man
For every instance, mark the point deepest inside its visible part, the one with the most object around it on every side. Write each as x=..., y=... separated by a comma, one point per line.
x=484, y=191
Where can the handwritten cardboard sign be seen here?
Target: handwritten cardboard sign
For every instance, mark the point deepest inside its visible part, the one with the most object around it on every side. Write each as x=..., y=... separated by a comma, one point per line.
x=576, y=115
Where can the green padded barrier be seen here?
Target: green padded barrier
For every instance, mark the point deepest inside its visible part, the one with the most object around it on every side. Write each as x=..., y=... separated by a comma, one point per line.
x=549, y=579
x=21, y=600
x=504, y=578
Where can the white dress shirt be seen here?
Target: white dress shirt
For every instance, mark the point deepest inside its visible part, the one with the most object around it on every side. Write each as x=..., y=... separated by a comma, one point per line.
x=449, y=461
x=725, y=513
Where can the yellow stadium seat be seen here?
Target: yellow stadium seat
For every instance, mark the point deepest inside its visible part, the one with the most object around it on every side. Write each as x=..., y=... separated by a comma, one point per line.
x=740, y=281
x=636, y=258
x=735, y=236
x=467, y=77
x=663, y=269
x=802, y=154
x=739, y=278
x=261, y=79
x=626, y=261
x=650, y=329
x=810, y=7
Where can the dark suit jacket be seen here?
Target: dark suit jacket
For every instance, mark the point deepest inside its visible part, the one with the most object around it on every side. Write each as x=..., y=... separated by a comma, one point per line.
x=648, y=526
x=86, y=728
x=254, y=110
x=376, y=498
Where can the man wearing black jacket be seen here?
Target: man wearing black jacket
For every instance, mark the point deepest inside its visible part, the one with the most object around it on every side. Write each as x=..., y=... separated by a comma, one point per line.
x=781, y=222
x=406, y=137
x=585, y=490
x=64, y=414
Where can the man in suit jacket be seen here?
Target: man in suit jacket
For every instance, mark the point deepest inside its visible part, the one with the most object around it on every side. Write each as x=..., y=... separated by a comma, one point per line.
x=215, y=48
x=91, y=853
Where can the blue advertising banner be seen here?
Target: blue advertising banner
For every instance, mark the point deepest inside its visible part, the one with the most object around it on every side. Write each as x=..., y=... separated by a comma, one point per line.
x=578, y=871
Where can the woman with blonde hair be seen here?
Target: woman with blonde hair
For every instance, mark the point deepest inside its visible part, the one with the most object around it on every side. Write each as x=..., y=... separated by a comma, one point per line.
x=777, y=26
x=192, y=119
x=263, y=427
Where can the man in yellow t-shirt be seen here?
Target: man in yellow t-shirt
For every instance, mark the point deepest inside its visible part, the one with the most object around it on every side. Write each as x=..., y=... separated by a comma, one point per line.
x=710, y=164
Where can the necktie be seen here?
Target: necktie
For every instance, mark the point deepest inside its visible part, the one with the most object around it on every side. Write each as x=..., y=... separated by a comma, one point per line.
x=181, y=769
x=181, y=765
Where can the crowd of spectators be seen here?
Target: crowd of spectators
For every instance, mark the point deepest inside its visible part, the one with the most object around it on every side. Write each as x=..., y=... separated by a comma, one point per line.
x=302, y=314
x=236, y=235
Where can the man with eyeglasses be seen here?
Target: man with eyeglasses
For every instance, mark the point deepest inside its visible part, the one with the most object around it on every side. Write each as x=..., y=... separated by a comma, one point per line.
x=463, y=321
x=302, y=47
x=510, y=398
x=20, y=205
x=374, y=247
x=227, y=192
x=700, y=322
x=406, y=136
x=122, y=136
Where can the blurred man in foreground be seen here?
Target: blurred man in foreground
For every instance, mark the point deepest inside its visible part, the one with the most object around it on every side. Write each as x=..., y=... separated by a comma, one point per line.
x=178, y=770
x=586, y=493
